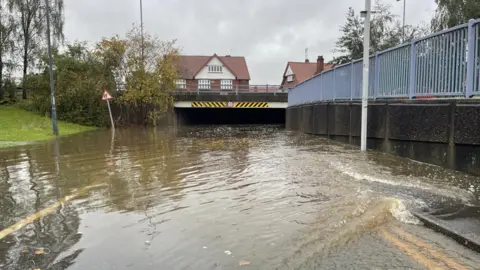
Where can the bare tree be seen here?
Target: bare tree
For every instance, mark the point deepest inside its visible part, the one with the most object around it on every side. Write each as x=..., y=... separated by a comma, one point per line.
x=30, y=16
x=7, y=30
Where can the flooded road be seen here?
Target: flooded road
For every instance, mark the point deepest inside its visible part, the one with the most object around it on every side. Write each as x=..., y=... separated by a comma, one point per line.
x=244, y=197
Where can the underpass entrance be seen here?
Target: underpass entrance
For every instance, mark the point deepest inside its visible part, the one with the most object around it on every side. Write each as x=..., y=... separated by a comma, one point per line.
x=221, y=116
x=229, y=112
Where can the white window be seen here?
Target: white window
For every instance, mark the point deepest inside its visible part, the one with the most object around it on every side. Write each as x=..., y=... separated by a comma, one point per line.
x=226, y=84
x=290, y=78
x=215, y=69
x=181, y=84
x=203, y=84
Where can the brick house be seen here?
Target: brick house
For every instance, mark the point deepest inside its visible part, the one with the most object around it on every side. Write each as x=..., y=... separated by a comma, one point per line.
x=212, y=72
x=297, y=72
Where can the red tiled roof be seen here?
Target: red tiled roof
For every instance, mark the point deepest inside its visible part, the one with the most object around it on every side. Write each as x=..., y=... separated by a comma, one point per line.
x=190, y=65
x=303, y=70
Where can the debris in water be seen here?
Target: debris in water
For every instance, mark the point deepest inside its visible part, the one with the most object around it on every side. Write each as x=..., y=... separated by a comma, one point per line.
x=205, y=247
x=35, y=251
x=243, y=263
x=228, y=252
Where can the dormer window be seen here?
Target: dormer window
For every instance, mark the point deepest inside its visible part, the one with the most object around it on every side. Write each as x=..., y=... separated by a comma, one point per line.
x=215, y=69
x=290, y=78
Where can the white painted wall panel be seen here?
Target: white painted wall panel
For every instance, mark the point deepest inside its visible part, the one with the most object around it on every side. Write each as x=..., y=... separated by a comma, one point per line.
x=204, y=74
x=289, y=71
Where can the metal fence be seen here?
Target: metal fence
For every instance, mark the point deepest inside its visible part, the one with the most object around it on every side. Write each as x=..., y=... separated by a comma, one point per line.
x=444, y=64
x=476, y=61
x=233, y=89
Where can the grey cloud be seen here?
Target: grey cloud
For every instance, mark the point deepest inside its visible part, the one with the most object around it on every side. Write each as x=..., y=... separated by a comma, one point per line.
x=267, y=32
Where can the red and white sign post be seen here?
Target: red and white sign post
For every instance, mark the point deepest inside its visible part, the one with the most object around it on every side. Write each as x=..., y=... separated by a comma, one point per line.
x=107, y=97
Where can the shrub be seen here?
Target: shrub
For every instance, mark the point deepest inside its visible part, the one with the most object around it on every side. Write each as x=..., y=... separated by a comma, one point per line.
x=79, y=81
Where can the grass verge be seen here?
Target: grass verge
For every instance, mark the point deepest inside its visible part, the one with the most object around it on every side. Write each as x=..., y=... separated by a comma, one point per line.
x=19, y=126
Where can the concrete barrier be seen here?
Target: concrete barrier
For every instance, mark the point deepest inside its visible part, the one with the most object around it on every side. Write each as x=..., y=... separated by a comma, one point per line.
x=440, y=132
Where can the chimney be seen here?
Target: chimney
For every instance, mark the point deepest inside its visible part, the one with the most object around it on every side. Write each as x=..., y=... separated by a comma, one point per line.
x=320, y=64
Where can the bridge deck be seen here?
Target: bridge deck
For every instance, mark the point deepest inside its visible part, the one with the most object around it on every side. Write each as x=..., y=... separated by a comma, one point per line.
x=231, y=104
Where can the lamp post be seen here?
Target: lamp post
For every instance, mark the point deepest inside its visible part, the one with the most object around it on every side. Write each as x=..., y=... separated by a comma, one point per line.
x=403, y=25
x=50, y=64
x=366, y=65
x=141, y=28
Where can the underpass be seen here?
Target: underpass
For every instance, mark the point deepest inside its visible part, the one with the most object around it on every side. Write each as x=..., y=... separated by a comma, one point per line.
x=252, y=105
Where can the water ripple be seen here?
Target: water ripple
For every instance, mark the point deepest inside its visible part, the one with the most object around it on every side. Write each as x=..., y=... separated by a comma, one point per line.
x=180, y=201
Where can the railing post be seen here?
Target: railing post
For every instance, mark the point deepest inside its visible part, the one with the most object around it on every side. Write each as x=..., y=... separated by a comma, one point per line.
x=334, y=83
x=413, y=65
x=352, y=80
x=470, y=58
x=321, y=86
x=376, y=87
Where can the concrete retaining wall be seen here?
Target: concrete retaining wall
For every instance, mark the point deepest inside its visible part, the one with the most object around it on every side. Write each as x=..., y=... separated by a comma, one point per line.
x=440, y=132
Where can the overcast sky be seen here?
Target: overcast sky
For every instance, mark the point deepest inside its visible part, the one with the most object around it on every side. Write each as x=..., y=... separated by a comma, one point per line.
x=269, y=33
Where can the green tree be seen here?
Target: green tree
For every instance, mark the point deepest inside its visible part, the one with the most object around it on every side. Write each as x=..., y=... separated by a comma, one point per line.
x=30, y=16
x=111, y=52
x=450, y=13
x=7, y=30
x=79, y=80
x=386, y=32
x=350, y=44
x=148, y=79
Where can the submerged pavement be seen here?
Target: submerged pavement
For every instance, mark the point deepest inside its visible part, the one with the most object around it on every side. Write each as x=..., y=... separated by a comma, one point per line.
x=224, y=197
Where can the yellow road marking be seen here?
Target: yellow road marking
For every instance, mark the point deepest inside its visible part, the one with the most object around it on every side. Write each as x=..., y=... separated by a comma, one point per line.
x=435, y=253
x=411, y=251
x=22, y=223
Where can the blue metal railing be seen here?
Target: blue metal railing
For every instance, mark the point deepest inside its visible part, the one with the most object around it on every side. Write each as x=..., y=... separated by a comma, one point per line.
x=356, y=82
x=393, y=72
x=446, y=63
x=476, y=58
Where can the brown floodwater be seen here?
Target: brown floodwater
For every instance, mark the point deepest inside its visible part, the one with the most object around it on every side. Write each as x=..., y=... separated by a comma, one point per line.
x=222, y=197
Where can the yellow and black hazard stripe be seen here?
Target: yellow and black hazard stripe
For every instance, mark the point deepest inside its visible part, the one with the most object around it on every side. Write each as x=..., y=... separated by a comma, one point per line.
x=209, y=104
x=250, y=105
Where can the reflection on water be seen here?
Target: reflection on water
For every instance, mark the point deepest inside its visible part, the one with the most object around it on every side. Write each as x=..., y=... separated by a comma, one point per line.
x=181, y=201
